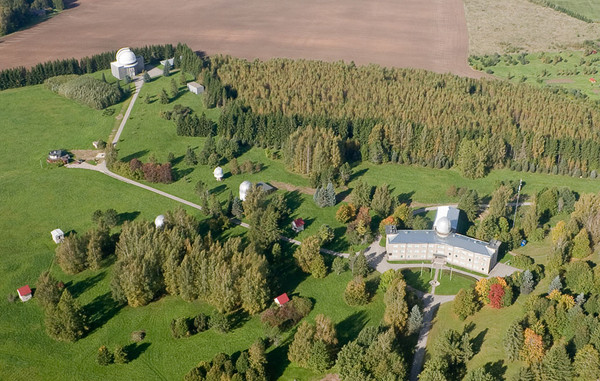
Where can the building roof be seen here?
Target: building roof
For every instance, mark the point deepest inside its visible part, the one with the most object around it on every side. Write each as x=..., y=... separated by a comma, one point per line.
x=195, y=85
x=453, y=239
x=299, y=222
x=265, y=187
x=282, y=299
x=218, y=172
x=126, y=57
x=25, y=290
x=56, y=232
x=450, y=212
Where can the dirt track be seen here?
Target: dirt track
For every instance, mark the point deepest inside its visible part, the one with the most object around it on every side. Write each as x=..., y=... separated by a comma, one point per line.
x=429, y=34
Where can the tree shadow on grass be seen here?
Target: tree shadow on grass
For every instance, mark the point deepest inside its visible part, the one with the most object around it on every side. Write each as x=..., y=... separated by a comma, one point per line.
x=80, y=287
x=134, y=350
x=179, y=174
x=218, y=189
x=405, y=198
x=135, y=155
x=238, y=318
x=413, y=279
x=477, y=341
x=101, y=310
x=278, y=360
x=177, y=160
x=350, y=327
x=496, y=369
x=342, y=195
x=356, y=174
x=128, y=216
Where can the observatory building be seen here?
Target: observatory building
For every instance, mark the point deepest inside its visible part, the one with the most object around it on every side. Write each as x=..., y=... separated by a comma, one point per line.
x=127, y=64
x=441, y=244
x=159, y=221
x=218, y=173
x=244, y=188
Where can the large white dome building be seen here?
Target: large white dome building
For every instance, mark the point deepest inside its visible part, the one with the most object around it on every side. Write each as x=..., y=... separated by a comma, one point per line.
x=127, y=64
x=244, y=188
x=443, y=226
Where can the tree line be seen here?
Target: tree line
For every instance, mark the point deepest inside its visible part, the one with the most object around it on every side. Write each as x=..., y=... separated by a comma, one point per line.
x=15, y=14
x=412, y=116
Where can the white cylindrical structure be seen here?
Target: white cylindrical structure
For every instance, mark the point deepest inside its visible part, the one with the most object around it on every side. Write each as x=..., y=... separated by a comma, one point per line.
x=159, y=221
x=244, y=188
x=218, y=172
x=443, y=226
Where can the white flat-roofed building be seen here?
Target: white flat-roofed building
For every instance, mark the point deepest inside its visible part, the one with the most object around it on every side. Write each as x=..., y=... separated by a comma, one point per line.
x=195, y=88
x=441, y=243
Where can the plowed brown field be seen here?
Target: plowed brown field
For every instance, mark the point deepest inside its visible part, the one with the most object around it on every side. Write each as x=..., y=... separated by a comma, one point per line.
x=428, y=34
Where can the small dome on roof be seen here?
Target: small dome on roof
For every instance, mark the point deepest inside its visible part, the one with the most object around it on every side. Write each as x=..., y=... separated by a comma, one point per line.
x=244, y=188
x=218, y=172
x=443, y=226
x=159, y=221
x=126, y=57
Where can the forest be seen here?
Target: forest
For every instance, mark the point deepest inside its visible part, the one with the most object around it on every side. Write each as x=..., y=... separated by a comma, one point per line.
x=15, y=14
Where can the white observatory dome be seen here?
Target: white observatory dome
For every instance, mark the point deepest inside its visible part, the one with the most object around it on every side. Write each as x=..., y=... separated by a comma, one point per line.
x=244, y=188
x=218, y=172
x=126, y=57
x=443, y=226
x=159, y=221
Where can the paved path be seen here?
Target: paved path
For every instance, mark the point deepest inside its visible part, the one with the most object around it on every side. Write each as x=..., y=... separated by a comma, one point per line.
x=138, y=86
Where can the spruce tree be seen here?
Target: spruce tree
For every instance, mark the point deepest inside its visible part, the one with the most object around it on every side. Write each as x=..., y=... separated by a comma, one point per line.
x=415, y=320
x=396, y=308
x=120, y=356
x=237, y=210
x=190, y=157
x=320, y=357
x=524, y=374
x=71, y=254
x=66, y=321
x=167, y=69
x=382, y=202
x=329, y=195
x=556, y=284
x=513, y=341
x=146, y=77
x=163, y=97
x=528, y=283
x=338, y=266
x=556, y=365
x=479, y=374
x=104, y=357
x=47, y=292
x=174, y=88
x=360, y=266
x=300, y=348
x=587, y=363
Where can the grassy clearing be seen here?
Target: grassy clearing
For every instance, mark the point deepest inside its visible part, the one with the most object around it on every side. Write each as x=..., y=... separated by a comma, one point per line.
x=417, y=279
x=587, y=8
x=570, y=70
x=452, y=286
x=518, y=25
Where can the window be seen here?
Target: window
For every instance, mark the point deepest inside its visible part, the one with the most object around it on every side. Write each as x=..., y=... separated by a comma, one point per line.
x=469, y=259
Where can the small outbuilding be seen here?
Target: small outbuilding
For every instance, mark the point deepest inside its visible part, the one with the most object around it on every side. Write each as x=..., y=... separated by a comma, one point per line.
x=195, y=88
x=171, y=62
x=282, y=299
x=57, y=235
x=218, y=173
x=265, y=187
x=298, y=225
x=24, y=293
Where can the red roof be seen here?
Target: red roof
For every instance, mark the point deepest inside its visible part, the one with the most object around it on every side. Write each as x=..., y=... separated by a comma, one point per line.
x=282, y=299
x=592, y=80
x=299, y=222
x=25, y=290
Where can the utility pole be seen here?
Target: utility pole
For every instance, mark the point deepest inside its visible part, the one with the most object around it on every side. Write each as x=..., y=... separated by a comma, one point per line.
x=517, y=206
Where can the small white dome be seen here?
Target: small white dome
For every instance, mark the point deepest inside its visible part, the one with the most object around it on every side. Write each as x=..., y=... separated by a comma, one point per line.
x=443, y=226
x=244, y=188
x=126, y=57
x=218, y=172
x=159, y=221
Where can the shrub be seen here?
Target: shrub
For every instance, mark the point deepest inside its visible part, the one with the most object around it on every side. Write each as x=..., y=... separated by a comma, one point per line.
x=137, y=336
x=120, y=356
x=356, y=293
x=201, y=323
x=220, y=323
x=104, y=357
x=11, y=297
x=180, y=327
x=86, y=90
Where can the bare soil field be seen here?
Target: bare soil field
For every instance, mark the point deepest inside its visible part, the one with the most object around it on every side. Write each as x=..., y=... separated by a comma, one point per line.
x=427, y=34
x=518, y=25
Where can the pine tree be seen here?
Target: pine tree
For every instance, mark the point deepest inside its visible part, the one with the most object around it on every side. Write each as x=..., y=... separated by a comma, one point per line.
x=338, y=266
x=167, y=69
x=163, y=97
x=71, y=254
x=47, y=292
x=479, y=374
x=174, y=88
x=361, y=194
x=382, y=202
x=587, y=363
x=66, y=321
x=556, y=365
x=581, y=244
x=190, y=157
x=237, y=210
x=435, y=369
x=556, y=284
x=120, y=356
x=356, y=292
x=524, y=374
x=528, y=283
x=415, y=320
x=319, y=358
x=329, y=196
x=104, y=357
x=360, y=268
x=396, y=308
x=146, y=77
x=300, y=348
x=513, y=341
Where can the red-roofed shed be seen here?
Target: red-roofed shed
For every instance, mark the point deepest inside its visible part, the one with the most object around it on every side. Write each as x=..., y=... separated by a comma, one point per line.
x=24, y=293
x=592, y=80
x=282, y=299
x=298, y=225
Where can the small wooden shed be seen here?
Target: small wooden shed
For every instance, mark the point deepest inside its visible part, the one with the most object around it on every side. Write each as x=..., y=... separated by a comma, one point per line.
x=24, y=293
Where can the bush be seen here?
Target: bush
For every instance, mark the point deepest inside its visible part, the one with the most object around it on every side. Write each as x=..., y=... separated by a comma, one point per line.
x=201, y=323
x=104, y=357
x=11, y=297
x=86, y=90
x=137, y=336
x=356, y=293
x=180, y=327
x=120, y=356
x=220, y=323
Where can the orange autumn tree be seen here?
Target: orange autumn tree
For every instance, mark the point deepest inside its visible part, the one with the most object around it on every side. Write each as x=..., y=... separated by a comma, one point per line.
x=533, y=347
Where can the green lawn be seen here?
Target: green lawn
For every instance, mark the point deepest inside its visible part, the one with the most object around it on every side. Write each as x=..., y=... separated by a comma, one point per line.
x=38, y=198
x=586, y=8
x=573, y=72
x=452, y=286
x=417, y=279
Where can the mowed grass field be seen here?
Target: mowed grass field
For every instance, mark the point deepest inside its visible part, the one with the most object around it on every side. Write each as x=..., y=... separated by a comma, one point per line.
x=37, y=198
x=586, y=8
x=570, y=70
